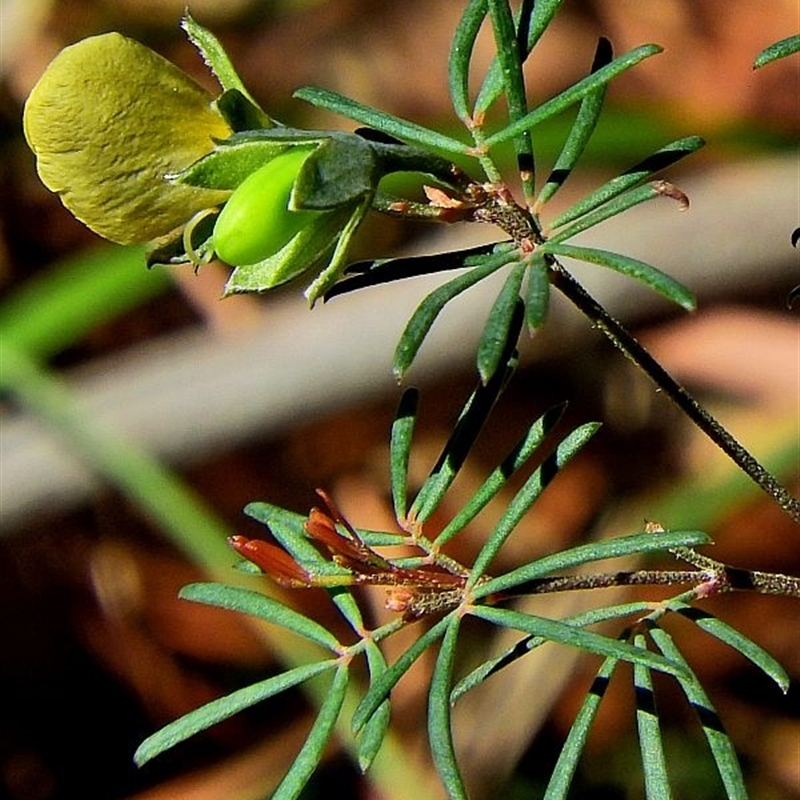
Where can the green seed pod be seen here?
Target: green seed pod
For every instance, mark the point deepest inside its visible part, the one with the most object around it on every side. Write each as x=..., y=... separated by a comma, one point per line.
x=257, y=222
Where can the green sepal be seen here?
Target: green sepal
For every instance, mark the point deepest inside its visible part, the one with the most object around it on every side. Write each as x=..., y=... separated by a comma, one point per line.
x=234, y=159
x=240, y=112
x=217, y=60
x=343, y=169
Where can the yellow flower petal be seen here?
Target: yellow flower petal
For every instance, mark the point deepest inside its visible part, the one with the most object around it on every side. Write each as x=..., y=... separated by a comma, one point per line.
x=107, y=120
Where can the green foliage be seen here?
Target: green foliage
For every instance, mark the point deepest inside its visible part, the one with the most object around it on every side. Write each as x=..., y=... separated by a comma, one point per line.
x=314, y=188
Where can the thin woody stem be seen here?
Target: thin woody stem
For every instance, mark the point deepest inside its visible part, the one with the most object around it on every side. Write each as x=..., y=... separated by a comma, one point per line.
x=614, y=330
x=723, y=579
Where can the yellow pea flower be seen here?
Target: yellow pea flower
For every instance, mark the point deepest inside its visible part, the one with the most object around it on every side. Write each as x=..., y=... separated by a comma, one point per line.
x=108, y=119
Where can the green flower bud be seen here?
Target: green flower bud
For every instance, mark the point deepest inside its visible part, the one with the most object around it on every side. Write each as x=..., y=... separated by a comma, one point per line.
x=258, y=220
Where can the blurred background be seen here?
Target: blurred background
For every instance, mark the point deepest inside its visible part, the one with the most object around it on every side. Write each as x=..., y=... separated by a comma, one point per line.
x=140, y=413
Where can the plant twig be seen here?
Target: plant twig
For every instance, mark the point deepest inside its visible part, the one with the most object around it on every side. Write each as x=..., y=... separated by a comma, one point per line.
x=628, y=344
x=722, y=578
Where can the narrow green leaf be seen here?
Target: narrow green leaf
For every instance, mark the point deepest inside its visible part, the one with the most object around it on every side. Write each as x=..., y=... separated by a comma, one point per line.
x=560, y=632
x=507, y=47
x=525, y=645
x=719, y=742
x=400, y=449
x=373, y=272
x=527, y=495
x=461, y=55
x=429, y=309
x=374, y=730
x=593, y=551
x=440, y=729
x=381, y=685
x=454, y=453
x=522, y=451
x=785, y=47
x=641, y=194
x=216, y=58
x=651, y=745
x=537, y=292
x=502, y=326
x=387, y=123
x=573, y=94
x=321, y=732
x=348, y=608
x=661, y=159
x=245, y=601
x=581, y=131
x=631, y=267
x=269, y=515
x=738, y=641
x=564, y=770
x=492, y=87
x=217, y=710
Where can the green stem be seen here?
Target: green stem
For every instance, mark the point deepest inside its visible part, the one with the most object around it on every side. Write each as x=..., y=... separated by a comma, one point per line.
x=626, y=342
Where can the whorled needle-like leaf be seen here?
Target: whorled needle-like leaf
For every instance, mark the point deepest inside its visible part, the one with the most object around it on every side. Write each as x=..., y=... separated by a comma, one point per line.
x=537, y=291
x=537, y=17
x=738, y=641
x=461, y=56
x=348, y=608
x=651, y=743
x=561, y=633
x=402, y=129
x=503, y=324
x=581, y=131
x=564, y=770
x=382, y=684
x=469, y=424
x=400, y=450
x=785, y=47
x=440, y=728
x=719, y=743
x=527, y=495
x=321, y=732
x=640, y=271
x=374, y=731
x=429, y=309
x=528, y=643
x=522, y=451
x=585, y=553
x=661, y=159
x=629, y=199
x=573, y=94
x=361, y=274
x=255, y=604
x=217, y=710
x=511, y=57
